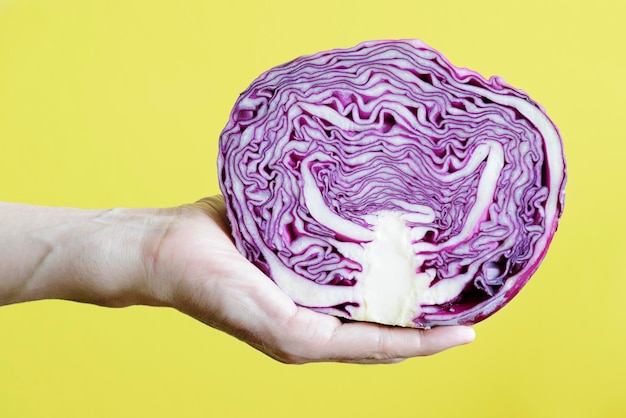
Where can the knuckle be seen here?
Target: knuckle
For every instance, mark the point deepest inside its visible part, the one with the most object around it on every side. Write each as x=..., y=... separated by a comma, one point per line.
x=384, y=344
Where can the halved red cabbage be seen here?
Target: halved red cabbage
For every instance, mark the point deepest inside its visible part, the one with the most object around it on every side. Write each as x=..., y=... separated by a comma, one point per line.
x=381, y=183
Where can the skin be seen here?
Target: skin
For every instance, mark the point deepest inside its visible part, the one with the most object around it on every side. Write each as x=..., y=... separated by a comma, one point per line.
x=184, y=258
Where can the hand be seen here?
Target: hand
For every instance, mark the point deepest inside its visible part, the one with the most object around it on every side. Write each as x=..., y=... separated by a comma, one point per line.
x=194, y=265
x=184, y=258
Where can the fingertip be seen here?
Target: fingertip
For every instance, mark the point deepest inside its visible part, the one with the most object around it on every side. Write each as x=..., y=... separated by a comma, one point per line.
x=445, y=337
x=465, y=334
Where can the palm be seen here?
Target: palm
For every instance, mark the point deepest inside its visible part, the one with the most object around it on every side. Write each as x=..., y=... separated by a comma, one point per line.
x=217, y=285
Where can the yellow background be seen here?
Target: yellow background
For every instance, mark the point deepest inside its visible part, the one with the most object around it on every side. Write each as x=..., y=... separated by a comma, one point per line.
x=120, y=103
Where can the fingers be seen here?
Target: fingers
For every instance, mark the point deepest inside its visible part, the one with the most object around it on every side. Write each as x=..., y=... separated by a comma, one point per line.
x=324, y=338
x=216, y=201
x=215, y=208
x=361, y=342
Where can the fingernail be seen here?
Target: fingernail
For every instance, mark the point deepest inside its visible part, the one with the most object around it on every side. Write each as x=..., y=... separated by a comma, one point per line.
x=467, y=334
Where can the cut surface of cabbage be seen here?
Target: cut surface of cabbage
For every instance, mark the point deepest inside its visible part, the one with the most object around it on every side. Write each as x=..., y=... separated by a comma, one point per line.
x=381, y=183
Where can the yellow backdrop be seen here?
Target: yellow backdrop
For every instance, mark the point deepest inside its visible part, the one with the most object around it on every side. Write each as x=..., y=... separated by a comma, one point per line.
x=120, y=103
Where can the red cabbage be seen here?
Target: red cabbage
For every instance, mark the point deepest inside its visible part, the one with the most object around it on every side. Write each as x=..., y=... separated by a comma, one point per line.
x=381, y=183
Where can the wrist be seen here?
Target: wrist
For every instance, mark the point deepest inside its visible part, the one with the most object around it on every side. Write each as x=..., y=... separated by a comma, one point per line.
x=112, y=258
x=105, y=256
x=93, y=256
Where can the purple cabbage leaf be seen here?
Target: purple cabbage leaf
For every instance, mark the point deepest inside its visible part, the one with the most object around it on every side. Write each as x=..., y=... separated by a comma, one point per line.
x=381, y=183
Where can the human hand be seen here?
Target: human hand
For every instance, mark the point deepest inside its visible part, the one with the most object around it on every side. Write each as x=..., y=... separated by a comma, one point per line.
x=198, y=270
x=184, y=258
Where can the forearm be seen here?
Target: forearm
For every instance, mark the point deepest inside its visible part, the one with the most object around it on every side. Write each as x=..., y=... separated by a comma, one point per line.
x=95, y=256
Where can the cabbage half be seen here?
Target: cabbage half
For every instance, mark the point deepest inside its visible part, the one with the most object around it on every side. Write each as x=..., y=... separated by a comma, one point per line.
x=381, y=183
